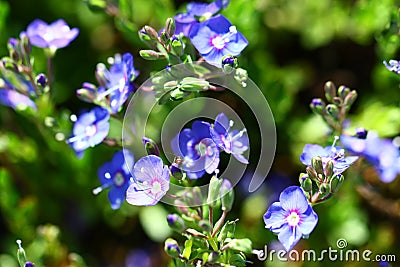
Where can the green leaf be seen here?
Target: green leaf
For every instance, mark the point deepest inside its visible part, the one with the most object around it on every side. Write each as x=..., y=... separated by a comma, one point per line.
x=243, y=245
x=188, y=249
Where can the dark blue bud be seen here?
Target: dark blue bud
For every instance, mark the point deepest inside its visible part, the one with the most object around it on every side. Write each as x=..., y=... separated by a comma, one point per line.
x=29, y=264
x=150, y=146
x=13, y=42
x=176, y=172
x=176, y=222
x=361, y=133
x=41, y=80
x=174, y=38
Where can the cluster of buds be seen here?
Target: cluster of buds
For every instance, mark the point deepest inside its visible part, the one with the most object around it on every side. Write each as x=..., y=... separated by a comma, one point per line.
x=320, y=181
x=339, y=102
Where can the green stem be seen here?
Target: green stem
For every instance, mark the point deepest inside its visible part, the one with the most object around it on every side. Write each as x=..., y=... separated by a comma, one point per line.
x=219, y=223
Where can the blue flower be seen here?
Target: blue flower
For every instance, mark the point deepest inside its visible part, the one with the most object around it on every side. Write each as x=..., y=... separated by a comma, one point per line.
x=151, y=178
x=335, y=154
x=233, y=142
x=393, y=66
x=382, y=153
x=291, y=218
x=215, y=38
x=196, y=11
x=116, y=84
x=16, y=95
x=116, y=176
x=199, y=152
x=55, y=35
x=90, y=129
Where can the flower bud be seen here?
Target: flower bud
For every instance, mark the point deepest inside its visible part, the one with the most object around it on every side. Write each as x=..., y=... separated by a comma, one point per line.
x=305, y=182
x=333, y=111
x=29, y=264
x=171, y=248
x=350, y=98
x=361, y=133
x=329, y=169
x=227, y=195
x=194, y=84
x=176, y=171
x=177, y=47
x=41, y=80
x=343, y=91
x=317, y=105
x=312, y=174
x=143, y=35
x=25, y=44
x=229, y=63
x=337, y=101
x=316, y=163
x=170, y=27
x=164, y=37
x=330, y=90
x=176, y=222
x=151, y=54
x=324, y=189
x=152, y=33
x=336, y=182
x=213, y=190
x=150, y=146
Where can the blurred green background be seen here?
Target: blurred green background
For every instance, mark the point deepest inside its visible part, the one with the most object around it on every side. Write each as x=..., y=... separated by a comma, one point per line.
x=294, y=48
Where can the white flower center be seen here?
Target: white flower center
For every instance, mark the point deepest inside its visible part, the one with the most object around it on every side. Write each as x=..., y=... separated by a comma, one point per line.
x=293, y=219
x=156, y=188
x=118, y=179
x=220, y=41
x=90, y=130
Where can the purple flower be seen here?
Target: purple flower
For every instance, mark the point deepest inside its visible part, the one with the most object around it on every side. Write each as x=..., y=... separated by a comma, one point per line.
x=116, y=84
x=215, y=38
x=232, y=142
x=151, y=182
x=195, y=10
x=382, y=153
x=199, y=152
x=90, y=129
x=116, y=176
x=291, y=218
x=15, y=95
x=393, y=66
x=55, y=35
x=336, y=154
x=138, y=258
x=15, y=100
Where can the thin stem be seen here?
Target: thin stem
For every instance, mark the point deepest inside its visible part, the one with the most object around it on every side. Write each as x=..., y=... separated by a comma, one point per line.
x=210, y=215
x=219, y=223
x=49, y=70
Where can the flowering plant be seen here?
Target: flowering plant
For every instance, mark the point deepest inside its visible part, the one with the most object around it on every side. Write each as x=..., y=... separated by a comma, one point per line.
x=184, y=144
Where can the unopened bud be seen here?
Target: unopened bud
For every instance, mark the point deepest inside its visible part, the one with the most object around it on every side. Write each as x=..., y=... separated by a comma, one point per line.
x=194, y=84
x=176, y=171
x=150, y=54
x=317, y=105
x=177, y=46
x=329, y=169
x=152, y=33
x=227, y=195
x=171, y=248
x=361, y=133
x=181, y=206
x=41, y=80
x=350, y=99
x=316, y=163
x=150, y=146
x=305, y=182
x=205, y=225
x=312, y=174
x=324, y=189
x=330, y=90
x=343, y=91
x=332, y=111
x=170, y=27
x=213, y=190
x=176, y=222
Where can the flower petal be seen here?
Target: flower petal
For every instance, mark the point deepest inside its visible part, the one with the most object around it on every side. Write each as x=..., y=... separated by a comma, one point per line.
x=293, y=198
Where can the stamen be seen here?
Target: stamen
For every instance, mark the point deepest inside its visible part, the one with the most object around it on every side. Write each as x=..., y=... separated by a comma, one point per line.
x=333, y=148
x=98, y=189
x=19, y=243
